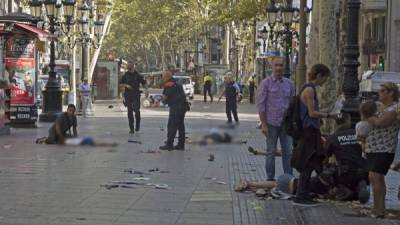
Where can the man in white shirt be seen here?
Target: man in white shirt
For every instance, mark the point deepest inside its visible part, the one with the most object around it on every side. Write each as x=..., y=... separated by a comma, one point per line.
x=84, y=90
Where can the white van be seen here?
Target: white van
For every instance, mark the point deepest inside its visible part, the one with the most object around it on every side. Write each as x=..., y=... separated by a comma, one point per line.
x=187, y=84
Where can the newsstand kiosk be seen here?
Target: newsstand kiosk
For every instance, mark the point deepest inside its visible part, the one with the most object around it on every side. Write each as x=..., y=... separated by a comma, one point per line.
x=19, y=56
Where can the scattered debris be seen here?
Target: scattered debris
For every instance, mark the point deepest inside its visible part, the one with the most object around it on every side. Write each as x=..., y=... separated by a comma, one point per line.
x=112, y=150
x=162, y=186
x=135, y=141
x=131, y=171
x=141, y=178
x=80, y=218
x=109, y=186
x=211, y=157
x=151, y=151
x=71, y=153
x=221, y=182
x=110, y=106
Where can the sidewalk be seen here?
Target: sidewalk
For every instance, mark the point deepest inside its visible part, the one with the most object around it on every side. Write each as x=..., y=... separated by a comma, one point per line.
x=43, y=184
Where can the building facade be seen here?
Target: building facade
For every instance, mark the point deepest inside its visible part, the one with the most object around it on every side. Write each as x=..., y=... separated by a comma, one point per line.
x=379, y=32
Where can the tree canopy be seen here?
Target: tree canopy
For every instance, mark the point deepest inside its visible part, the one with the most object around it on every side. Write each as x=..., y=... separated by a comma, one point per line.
x=156, y=28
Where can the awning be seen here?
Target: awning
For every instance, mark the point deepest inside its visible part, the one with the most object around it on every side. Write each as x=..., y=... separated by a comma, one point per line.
x=41, y=34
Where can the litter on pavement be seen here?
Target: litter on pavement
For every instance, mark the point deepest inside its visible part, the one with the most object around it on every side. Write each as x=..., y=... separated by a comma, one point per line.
x=150, y=151
x=135, y=141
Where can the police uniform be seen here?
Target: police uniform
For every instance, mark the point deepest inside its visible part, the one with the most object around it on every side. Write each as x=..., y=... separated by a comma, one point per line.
x=132, y=97
x=176, y=100
x=231, y=105
x=352, y=167
x=207, y=87
x=252, y=86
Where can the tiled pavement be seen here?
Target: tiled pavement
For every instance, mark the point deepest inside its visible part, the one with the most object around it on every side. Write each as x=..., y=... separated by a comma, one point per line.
x=61, y=185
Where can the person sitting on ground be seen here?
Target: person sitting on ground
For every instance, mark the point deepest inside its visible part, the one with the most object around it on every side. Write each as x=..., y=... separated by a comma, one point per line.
x=351, y=174
x=61, y=129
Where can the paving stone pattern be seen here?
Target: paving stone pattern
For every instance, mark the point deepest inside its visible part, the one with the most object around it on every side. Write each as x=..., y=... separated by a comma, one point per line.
x=59, y=185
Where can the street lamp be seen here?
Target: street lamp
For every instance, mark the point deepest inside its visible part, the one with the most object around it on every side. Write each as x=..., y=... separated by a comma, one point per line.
x=301, y=66
x=264, y=37
x=272, y=17
x=52, y=95
x=36, y=8
x=351, y=54
x=287, y=19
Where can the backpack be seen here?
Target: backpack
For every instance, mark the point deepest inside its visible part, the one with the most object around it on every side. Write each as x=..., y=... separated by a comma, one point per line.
x=292, y=123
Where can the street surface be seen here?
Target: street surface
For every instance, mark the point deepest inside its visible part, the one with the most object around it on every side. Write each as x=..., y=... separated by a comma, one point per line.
x=60, y=185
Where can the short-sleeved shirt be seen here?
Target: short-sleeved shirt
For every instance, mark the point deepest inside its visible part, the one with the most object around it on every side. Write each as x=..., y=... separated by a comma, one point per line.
x=344, y=145
x=84, y=89
x=65, y=122
x=175, y=94
x=384, y=139
x=134, y=79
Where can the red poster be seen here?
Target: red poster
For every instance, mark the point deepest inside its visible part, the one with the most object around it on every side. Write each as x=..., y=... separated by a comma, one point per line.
x=22, y=76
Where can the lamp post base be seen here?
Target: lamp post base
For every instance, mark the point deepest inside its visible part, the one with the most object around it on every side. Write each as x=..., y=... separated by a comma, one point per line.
x=52, y=105
x=351, y=105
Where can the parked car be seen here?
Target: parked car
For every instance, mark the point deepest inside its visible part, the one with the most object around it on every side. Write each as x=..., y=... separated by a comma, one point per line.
x=187, y=84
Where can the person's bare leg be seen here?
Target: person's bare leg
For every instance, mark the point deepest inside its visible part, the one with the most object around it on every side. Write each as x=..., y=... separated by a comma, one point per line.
x=262, y=185
x=379, y=190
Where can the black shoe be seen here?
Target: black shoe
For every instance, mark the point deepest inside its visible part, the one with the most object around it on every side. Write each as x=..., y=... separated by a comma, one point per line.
x=363, y=192
x=167, y=147
x=131, y=132
x=179, y=147
x=137, y=129
x=304, y=202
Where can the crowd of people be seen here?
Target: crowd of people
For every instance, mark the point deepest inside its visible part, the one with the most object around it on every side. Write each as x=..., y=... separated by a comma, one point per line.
x=340, y=166
x=344, y=163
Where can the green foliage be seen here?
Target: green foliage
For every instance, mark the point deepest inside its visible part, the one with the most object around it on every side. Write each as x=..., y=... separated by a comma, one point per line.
x=156, y=27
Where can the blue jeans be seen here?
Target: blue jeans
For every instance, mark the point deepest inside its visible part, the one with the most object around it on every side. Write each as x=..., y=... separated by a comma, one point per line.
x=286, y=144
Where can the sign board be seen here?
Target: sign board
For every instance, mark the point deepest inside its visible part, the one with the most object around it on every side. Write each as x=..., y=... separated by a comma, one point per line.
x=20, y=64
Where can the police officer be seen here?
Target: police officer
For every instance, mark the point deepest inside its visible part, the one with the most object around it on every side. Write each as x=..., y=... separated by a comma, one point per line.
x=231, y=91
x=207, y=87
x=175, y=97
x=252, y=87
x=131, y=81
x=352, y=171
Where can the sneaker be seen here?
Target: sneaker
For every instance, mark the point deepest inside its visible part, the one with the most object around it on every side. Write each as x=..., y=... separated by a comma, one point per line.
x=131, y=132
x=304, y=202
x=167, y=147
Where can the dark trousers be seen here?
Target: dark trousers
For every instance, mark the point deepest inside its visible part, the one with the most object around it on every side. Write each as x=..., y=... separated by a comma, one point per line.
x=176, y=122
x=303, y=185
x=133, y=106
x=251, y=95
x=207, y=90
x=231, y=108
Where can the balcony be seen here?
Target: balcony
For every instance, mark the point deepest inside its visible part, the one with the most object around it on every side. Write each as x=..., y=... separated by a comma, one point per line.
x=373, y=5
x=372, y=46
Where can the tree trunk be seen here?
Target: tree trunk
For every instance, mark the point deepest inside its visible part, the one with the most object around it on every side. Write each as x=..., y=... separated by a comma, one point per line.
x=328, y=56
x=313, y=47
x=341, y=30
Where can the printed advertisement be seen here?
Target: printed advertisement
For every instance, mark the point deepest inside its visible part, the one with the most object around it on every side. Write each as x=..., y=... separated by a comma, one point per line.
x=22, y=76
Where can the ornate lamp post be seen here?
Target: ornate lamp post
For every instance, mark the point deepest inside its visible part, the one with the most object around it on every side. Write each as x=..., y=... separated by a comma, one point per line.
x=351, y=54
x=52, y=95
x=272, y=17
x=287, y=19
x=264, y=37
